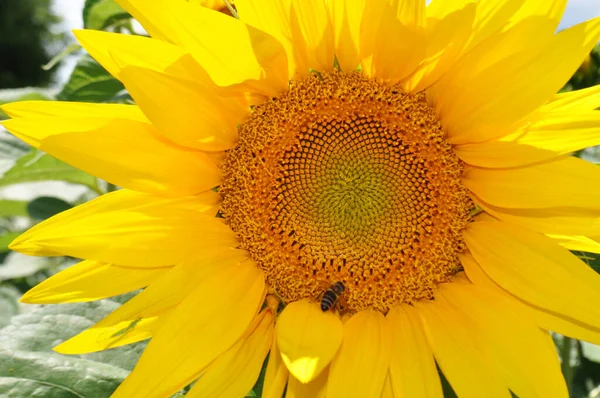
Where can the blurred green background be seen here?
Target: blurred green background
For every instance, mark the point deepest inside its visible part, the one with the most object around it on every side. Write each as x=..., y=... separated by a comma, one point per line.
x=33, y=46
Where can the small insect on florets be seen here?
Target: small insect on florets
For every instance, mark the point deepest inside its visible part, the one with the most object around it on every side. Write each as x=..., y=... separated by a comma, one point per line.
x=331, y=296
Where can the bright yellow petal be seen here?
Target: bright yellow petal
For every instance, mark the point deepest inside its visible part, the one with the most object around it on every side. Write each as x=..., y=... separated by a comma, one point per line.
x=276, y=374
x=562, y=132
x=412, y=368
x=534, y=268
x=379, y=53
x=554, y=220
x=276, y=18
x=499, y=154
x=139, y=51
x=208, y=322
x=579, y=243
x=188, y=113
x=151, y=14
x=89, y=281
x=139, y=317
x=361, y=365
x=124, y=152
x=387, y=391
x=308, y=338
x=315, y=26
x=65, y=109
x=506, y=326
x=544, y=319
x=551, y=9
x=120, y=334
x=509, y=76
x=458, y=352
x=528, y=187
x=346, y=18
x=234, y=372
x=231, y=52
x=132, y=229
x=580, y=100
x=314, y=389
x=445, y=40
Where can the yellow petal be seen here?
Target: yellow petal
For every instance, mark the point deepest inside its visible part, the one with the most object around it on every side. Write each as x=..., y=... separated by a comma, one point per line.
x=499, y=154
x=563, y=132
x=412, y=368
x=315, y=389
x=65, y=109
x=315, y=26
x=120, y=334
x=132, y=229
x=579, y=100
x=506, y=326
x=231, y=52
x=579, y=243
x=208, y=321
x=554, y=220
x=544, y=319
x=528, y=187
x=551, y=9
x=534, y=268
x=276, y=18
x=139, y=51
x=89, y=281
x=196, y=116
x=379, y=54
x=346, y=18
x=276, y=374
x=506, y=78
x=410, y=12
x=139, y=317
x=459, y=353
x=151, y=14
x=361, y=365
x=234, y=372
x=445, y=40
x=388, y=392
x=125, y=152
x=308, y=338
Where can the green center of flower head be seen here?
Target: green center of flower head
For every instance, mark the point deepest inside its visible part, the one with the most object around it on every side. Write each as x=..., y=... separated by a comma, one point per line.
x=344, y=179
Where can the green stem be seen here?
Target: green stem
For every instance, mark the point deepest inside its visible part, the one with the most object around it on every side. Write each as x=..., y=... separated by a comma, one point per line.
x=565, y=354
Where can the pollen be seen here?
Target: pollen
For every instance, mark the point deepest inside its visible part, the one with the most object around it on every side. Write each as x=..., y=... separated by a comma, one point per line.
x=346, y=179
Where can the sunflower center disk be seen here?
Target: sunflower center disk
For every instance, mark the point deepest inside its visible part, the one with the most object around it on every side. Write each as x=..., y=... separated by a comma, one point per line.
x=344, y=179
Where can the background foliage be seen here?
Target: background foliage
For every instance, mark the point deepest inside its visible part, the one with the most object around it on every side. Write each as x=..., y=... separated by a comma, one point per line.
x=28, y=366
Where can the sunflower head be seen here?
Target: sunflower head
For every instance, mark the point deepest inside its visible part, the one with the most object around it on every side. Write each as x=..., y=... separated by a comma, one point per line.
x=368, y=190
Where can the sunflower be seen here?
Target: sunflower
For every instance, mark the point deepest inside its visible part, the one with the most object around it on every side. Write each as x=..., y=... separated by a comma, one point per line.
x=360, y=191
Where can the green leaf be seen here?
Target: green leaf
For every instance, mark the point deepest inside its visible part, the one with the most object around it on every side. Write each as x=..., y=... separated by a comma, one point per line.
x=28, y=364
x=11, y=149
x=37, y=166
x=90, y=82
x=99, y=14
x=18, y=265
x=9, y=304
x=12, y=208
x=46, y=206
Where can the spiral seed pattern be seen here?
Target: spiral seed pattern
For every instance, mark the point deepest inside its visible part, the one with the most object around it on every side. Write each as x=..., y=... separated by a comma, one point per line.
x=345, y=179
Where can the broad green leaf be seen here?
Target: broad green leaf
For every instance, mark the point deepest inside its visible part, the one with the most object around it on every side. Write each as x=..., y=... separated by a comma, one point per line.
x=27, y=362
x=37, y=166
x=46, y=206
x=9, y=304
x=90, y=82
x=12, y=208
x=17, y=265
x=99, y=14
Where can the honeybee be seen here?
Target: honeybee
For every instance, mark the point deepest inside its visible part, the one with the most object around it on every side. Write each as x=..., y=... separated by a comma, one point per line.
x=331, y=296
